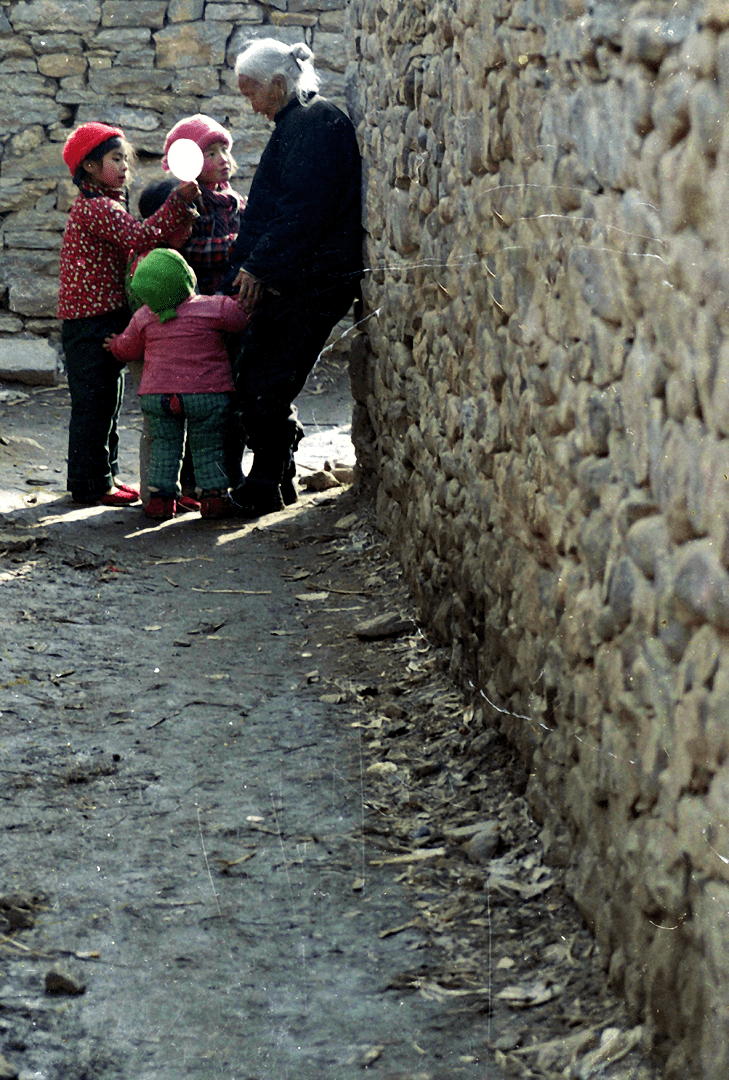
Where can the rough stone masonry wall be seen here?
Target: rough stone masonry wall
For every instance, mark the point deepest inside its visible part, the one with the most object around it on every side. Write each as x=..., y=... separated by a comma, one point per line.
x=546, y=407
x=139, y=64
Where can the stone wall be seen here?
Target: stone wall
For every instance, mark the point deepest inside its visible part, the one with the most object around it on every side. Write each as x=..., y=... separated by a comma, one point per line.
x=138, y=64
x=545, y=406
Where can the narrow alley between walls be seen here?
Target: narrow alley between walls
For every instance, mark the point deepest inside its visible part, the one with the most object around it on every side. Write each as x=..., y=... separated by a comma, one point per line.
x=250, y=829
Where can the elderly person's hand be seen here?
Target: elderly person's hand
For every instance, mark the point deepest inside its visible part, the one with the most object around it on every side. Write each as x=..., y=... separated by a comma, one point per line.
x=250, y=290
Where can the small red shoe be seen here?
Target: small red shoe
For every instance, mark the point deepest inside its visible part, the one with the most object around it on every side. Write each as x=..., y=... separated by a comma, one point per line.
x=187, y=505
x=125, y=487
x=119, y=497
x=161, y=507
x=216, y=504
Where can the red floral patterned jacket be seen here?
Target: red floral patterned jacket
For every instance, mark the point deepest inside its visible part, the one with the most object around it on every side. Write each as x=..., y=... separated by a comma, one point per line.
x=100, y=237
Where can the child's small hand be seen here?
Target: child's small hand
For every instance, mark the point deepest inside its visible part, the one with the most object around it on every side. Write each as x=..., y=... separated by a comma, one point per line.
x=189, y=191
x=108, y=341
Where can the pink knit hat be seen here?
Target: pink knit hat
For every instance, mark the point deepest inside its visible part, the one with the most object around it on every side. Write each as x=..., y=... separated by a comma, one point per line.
x=202, y=129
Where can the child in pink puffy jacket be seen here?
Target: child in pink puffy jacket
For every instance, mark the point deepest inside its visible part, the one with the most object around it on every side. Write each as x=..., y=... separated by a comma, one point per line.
x=186, y=380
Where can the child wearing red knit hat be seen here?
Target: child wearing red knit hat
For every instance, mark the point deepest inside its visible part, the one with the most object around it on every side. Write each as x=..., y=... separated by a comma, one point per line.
x=99, y=237
x=214, y=233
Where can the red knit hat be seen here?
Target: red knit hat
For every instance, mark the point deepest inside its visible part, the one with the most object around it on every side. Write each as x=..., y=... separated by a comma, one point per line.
x=201, y=129
x=85, y=139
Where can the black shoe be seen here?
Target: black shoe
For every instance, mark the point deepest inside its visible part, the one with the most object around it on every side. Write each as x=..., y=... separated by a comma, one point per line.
x=289, y=494
x=256, y=498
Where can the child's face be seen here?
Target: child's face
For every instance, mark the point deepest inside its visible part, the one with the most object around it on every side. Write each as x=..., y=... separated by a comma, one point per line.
x=217, y=165
x=112, y=170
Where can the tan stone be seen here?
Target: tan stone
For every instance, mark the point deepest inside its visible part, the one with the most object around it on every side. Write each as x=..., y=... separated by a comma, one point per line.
x=59, y=66
x=192, y=45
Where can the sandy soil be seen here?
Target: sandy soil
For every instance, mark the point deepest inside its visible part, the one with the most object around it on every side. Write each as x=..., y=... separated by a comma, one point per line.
x=237, y=833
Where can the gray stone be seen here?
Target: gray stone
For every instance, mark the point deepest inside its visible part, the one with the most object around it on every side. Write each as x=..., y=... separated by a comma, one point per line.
x=649, y=40
x=35, y=296
x=204, y=81
x=18, y=195
x=122, y=38
x=126, y=118
x=41, y=239
x=7, y=1070
x=128, y=80
x=482, y=847
x=16, y=113
x=134, y=13
x=317, y=5
x=28, y=360
x=241, y=13
x=648, y=542
x=81, y=15
x=185, y=10
x=60, y=982
x=56, y=43
x=330, y=51
x=701, y=587
x=384, y=626
x=10, y=325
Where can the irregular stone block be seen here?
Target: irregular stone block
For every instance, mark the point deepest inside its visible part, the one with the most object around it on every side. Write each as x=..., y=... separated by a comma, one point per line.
x=28, y=360
x=35, y=296
x=241, y=13
x=59, y=66
x=134, y=13
x=60, y=982
x=701, y=588
x=81, y=15
x=129, y=80
x=17, y=113
x=185, y=10
x=192, y=45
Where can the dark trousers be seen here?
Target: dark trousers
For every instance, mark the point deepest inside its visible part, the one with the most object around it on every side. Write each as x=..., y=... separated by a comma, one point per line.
x=96, y=385
x=277, y=352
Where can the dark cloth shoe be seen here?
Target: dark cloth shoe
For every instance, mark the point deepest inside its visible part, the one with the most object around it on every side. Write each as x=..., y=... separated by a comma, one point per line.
x=161, y=507
x=256, y=498
x=289, y=494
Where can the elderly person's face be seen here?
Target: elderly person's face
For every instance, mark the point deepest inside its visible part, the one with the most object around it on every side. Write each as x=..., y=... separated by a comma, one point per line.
x=265, y=99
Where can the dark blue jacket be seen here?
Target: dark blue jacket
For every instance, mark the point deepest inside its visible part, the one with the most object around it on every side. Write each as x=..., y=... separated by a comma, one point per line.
x=303, y=222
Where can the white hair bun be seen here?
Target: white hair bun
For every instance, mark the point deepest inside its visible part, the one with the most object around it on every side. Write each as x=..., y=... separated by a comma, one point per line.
x=302, y=52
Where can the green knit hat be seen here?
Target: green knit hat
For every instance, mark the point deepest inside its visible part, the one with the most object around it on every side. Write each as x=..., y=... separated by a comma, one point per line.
x=162, y=281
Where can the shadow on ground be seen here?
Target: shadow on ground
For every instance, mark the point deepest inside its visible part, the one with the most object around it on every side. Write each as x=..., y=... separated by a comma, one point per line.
x=238, y=816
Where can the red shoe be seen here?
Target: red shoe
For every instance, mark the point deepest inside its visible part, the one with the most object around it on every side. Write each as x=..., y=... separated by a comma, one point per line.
x=187, y=505
x=125, y=487
x=161, y=508
x=119, y=497
x=216, y=504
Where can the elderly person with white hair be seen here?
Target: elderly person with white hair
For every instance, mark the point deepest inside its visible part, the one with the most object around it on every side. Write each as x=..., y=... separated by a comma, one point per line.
x=297, y=260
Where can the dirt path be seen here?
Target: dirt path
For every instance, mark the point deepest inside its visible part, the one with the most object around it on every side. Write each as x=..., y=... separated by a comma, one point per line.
x=242, y=828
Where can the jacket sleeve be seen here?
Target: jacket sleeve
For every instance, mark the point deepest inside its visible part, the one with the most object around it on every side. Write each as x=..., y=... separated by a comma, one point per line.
x=232, y=318
x=318, y=161
x=108, y=220
x=129, y=345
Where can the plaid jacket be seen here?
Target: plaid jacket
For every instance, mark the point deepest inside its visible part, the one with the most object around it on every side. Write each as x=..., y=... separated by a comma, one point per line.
x=209, y=248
